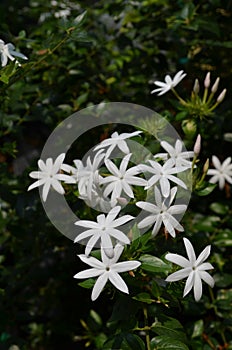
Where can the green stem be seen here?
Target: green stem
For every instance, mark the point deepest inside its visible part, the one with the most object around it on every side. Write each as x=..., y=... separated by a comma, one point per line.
x=50, y=52
x=146, y=327
x=178, y=97
x=205, y=95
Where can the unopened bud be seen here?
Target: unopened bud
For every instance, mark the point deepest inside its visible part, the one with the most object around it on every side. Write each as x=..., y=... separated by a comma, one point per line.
x=206, y=166
x=122, y=201
x=207, y=80
x=189, y=127
x=196, y=87
x=197, y=146
x=221, y=96
x=215, y=85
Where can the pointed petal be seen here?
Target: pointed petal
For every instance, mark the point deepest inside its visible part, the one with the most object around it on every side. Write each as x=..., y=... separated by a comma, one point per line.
x=190, y=251
x=178, y=275
x=216, y=162
x=122, y=220
x=86, y=234
x=99, y=285
x=87, y=223
x=112, y=168
x=91, y=243
x=165, y=186
x=207, y=278
x=91, y=261
x=118, y=282
x=197, y=286
x=189, y=283
x=45, y=190
x=88, y=273
x=177, y=259
x=57, y=186
x=203, y=256
x=125, y=266
x=36, y=184
x=120, y=236
x=110, y=218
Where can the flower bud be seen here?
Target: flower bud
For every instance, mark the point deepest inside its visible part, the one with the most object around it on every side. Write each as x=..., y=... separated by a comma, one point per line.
x=221, y=96
x=215, y=85
x=122, y=201
x=207, y=80
x=196, y=87
x=206, y=166
x=197, y=146
x=189, y=127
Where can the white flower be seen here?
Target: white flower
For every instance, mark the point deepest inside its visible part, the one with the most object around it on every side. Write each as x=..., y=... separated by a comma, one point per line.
x=163, y=174
x=107, y=269
x=162, y=212
x=103, y=230
x=194, y=269
x=7, y=51
x=222, y=173
x=180, y=158
x=169, y=83
x=122, y=179
x=117, y=140
x=50, y=176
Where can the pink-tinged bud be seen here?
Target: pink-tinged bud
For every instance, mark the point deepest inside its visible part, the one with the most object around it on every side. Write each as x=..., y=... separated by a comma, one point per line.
x=122, y=201
x=215, y=85
x=196, y=87
x=197, y=146
x=221, y=96
x=206, y=166
x=207, y=80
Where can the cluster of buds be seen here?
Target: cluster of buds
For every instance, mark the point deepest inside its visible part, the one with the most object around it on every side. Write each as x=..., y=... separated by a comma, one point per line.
x=203, y=106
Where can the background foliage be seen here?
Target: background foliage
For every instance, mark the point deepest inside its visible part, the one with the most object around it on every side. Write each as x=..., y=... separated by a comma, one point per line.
x=113, y=52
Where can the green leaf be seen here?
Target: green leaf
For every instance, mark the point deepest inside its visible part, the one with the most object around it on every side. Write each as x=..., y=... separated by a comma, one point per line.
x=89, y=283
x=163, y=342
x=135, y=342
x=144, y=297
x=224, y=238
x=153, y=264
x=96, y=317
x=171, y=328
x=198, y=329
x=219, y=208
x=206, y=190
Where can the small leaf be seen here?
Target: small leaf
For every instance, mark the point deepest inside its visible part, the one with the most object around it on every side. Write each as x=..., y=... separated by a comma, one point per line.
x=135, y=342
x=198, y=329
x=219, y=208
x=163, y=342
x=89, y=283
x=205, y=191
x=153, y=264
x=144, y=297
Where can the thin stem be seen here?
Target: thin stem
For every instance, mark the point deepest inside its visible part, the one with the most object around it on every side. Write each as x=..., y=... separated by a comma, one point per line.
x=205, y=95
x=179, y=98
x=146, y=327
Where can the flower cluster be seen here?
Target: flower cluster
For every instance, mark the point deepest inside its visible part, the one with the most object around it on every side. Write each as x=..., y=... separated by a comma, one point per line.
x=108, y=180
x=197, y=106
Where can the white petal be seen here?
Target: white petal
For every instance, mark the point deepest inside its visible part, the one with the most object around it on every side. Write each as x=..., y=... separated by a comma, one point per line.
x=125, y=266
x=120, y=236
x=122, y=220
x=91, y=243
x=118, y=282
x=45, y=190
x=197, y=286
x=216, y=162
x=87, y=223
x=91, y=261
x=88, y=273
x=57, y=186
x=147, y=221
x=165, y=186
x=205, y=266
x=112, y=215
x=207, y=278
x=189, y=283
x=177, y=259
x=99, y=285
x=203, y=256
x=36, y=184
x=190, y=251
x=178, y=275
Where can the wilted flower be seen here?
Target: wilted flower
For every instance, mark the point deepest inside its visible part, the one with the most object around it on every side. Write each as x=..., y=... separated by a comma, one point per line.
x=194, y=269
x=107, y=269
x=7, y=52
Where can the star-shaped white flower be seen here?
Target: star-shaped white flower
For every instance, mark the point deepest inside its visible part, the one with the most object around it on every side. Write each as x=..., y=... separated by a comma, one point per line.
x=104, y=230
x=181, y=158
x=169, y=83
x=117, y=140
x=121, y=179
x=194, y=269
x=7, y=52
x=107, y=269
x=50, y=176
x=222, y=172
x=163, y=174
x=162, y=212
